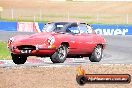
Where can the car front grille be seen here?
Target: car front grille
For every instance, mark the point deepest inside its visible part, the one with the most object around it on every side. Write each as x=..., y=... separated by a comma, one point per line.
x=26, y=47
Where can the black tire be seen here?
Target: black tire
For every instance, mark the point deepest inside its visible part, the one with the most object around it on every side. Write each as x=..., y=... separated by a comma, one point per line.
x=56, y=58
x=81, y=80
x=18, y=59
x=96, y=55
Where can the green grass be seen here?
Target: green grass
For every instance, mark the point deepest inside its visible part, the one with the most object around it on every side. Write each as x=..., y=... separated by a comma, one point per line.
x=4, y=51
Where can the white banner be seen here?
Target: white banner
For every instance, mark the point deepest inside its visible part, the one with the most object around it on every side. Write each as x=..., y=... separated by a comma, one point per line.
x=25, y=26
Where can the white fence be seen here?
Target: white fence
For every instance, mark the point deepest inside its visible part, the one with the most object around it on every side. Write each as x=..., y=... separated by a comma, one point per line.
x=40, y=15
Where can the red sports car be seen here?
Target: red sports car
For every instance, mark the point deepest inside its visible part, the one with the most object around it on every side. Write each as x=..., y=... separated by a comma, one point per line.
x=58, y=41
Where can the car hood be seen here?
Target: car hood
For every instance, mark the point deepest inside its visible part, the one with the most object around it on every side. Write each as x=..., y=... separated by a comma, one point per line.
x=38, y=38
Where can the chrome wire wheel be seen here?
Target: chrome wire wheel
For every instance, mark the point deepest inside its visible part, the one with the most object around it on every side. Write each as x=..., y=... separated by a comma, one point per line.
x=60, y=55
x=62, y=52
x=98, y=52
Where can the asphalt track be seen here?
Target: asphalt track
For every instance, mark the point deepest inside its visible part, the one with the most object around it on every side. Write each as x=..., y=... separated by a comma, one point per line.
x=118, y=51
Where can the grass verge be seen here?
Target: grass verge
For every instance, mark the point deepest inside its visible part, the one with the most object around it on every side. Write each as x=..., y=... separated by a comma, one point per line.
x=4, y=51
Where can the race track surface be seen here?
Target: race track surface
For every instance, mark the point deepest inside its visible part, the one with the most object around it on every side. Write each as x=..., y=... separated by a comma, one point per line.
x=118, y=51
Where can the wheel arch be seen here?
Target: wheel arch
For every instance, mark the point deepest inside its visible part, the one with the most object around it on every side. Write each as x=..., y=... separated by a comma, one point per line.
x=65, y=43
x=100, y=45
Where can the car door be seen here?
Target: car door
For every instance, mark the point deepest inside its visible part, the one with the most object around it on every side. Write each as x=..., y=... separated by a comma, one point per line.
x=87, y=38
x=74, y=38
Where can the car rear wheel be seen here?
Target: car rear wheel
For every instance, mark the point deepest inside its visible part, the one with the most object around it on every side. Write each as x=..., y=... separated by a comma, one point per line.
x=60, y=55
x=96, y=56
x=18, y=59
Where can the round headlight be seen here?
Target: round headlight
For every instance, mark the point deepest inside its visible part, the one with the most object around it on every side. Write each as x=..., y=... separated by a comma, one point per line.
x=51, y=40
x=11, y=40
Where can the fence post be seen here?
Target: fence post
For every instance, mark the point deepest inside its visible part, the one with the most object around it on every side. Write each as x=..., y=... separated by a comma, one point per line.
x=12, y=14
x=0, y=15
x=34, y=18
x=97, y=18
x=40, y=14
x=127, y=18
x=1, y=9
x=68, y=15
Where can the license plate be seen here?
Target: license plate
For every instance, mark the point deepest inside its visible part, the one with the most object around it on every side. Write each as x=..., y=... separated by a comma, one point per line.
x=26, y=51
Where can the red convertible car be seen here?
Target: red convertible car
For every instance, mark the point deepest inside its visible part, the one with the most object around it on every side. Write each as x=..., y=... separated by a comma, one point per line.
x=58, y=41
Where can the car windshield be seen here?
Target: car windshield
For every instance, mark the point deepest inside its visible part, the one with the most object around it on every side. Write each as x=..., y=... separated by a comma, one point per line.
x=56, y=27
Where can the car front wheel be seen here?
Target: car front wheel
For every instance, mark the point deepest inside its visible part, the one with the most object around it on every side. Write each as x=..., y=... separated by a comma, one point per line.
x=96, y=55
x=18, y=59
x=60, y=55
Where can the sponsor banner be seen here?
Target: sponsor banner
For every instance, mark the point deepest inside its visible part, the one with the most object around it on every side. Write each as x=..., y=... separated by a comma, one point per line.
x=29, y=26
x=112, y=29
x=39, y=26
x=8, y=26
x=25, y=26
x=99, y=28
